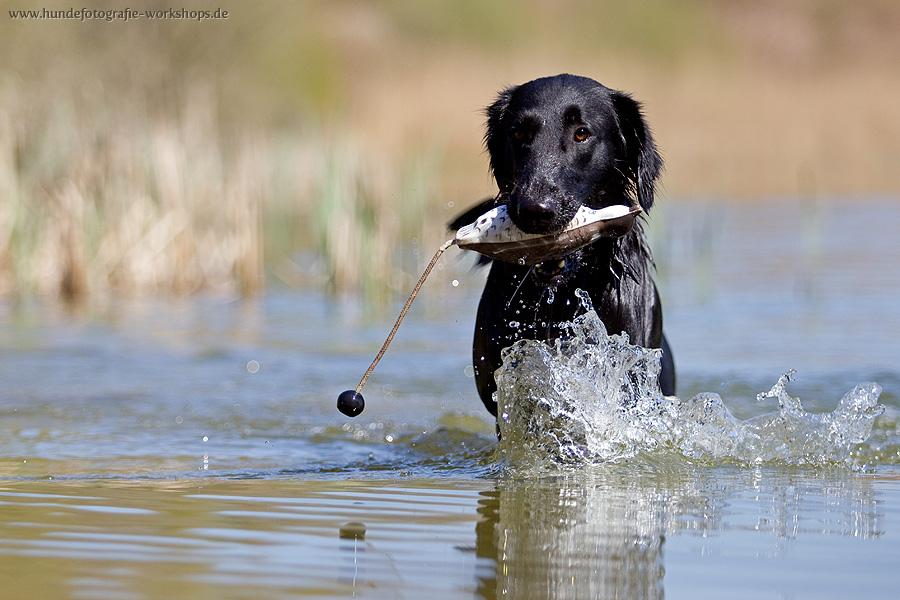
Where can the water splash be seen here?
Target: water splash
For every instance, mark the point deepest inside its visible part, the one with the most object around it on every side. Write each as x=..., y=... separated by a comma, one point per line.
x=594, y=397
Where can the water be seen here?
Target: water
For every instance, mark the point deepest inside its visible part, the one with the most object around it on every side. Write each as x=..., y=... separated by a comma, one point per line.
x=590, y=397
x=193, y=449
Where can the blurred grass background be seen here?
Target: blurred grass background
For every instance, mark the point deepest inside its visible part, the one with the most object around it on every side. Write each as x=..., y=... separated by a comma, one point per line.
x=324, y=143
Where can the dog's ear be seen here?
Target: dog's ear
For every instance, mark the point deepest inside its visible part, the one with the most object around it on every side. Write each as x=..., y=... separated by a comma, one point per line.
x=496, y=142
x=644, y=163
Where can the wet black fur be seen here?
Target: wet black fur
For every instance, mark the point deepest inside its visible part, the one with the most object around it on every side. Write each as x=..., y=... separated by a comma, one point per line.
x=554, y=144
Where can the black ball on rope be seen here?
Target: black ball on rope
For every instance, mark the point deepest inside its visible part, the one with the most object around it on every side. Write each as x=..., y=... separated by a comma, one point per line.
x=351, y=403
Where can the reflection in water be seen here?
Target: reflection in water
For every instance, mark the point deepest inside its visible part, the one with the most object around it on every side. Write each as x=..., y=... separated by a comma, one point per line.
x=353, y=551
x=259, y=538
x=591, y=535
x=601, y=532
x=613, y=531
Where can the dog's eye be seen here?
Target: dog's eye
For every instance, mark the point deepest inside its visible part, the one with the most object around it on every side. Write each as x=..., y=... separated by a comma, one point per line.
x=518, y=133
x=581, y=134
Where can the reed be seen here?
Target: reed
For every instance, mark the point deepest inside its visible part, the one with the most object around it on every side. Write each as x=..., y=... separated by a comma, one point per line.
x=368, y=220
x=110, y=200
x=106, y=199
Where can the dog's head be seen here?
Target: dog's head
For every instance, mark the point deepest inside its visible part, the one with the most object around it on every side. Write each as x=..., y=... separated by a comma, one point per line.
x=561, y=142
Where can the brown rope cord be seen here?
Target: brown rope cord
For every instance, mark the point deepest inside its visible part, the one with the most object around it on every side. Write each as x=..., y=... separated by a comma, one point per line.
x=406, y=306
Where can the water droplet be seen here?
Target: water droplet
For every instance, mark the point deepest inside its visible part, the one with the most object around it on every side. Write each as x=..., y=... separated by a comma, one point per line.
x=514, y=324
x=252, y=366
x=551, y=295
x=574, y=390
x=455, y=283
x=521, y=261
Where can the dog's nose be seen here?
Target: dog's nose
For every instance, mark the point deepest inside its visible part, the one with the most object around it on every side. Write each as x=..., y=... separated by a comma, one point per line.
x=534, y=214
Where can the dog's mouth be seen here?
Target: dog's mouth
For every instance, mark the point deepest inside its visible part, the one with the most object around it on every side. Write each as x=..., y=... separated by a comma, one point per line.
x=496, y=235
x=556, y=271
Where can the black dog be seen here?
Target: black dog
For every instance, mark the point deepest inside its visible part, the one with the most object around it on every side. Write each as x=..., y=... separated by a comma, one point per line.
x=555, y=144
